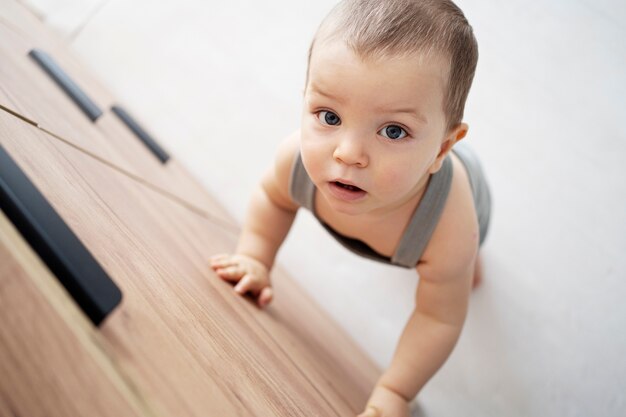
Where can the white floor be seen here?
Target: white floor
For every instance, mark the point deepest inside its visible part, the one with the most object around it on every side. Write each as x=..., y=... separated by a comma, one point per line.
x=219, y=83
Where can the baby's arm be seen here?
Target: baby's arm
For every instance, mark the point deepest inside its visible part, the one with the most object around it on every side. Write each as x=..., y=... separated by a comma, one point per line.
x=270, y=215
x=431, y=332
x=429, y=336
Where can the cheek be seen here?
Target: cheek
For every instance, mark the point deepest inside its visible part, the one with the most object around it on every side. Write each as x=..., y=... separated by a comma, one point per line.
x=313, y=155
x=391, y=178
x=316, y=146
x=400, y=176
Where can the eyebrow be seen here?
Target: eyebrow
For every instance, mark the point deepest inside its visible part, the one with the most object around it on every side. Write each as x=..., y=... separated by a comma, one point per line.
x=316, y=90
x=409, y=111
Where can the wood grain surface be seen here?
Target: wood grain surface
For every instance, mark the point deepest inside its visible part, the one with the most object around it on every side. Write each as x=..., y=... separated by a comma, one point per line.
x=108, y=138
x=182, y=342
x=44, y=338
x=182, y=335
x=29, y=91
x=171, y=178
x=28, y=31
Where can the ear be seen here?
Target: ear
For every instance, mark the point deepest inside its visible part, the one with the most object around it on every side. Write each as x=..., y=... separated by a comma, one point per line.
x=453, y=136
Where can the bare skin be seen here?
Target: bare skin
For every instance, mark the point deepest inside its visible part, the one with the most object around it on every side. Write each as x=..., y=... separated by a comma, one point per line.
x=478, y=277
x=234, y=268
x=351, y=107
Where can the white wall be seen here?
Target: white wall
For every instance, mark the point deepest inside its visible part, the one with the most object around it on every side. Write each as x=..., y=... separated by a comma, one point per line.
x=219, y=83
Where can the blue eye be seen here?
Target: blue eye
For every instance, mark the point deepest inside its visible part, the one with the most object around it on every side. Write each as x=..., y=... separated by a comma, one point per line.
x=328, y=118
x=393, y=132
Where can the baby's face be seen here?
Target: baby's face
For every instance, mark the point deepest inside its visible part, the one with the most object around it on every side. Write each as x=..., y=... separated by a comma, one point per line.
x=376, y=124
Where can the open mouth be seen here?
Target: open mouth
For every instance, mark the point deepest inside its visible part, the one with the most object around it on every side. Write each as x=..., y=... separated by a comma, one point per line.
x=347, y=186
x=346, y=192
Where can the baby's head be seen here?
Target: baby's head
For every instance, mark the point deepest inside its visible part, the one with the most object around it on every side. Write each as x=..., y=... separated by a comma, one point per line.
x=433, y=29
x=386, y=86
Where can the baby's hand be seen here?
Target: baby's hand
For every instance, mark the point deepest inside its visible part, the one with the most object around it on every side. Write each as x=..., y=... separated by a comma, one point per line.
x=385, y=403
x=249, y=274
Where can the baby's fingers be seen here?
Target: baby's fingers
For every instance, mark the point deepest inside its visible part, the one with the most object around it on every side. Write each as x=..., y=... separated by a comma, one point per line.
x=230, y=273
x=370, y=411
x=251, y=283
x=266, y=296
x=260, y=289
x=221, y=261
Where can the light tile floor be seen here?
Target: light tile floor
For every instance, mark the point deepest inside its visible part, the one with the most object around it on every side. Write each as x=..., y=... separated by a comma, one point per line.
x=220, y=83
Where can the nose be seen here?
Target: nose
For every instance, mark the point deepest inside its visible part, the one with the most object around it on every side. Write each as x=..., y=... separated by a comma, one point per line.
x=351, y=151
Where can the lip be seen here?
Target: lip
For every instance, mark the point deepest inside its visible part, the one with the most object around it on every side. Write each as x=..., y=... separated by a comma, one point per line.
x=343, y=194
x=347, y=182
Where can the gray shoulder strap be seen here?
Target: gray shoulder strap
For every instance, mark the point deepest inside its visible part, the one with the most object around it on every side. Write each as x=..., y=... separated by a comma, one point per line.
x=420, y=227
x=425, y=218
x=301, y=188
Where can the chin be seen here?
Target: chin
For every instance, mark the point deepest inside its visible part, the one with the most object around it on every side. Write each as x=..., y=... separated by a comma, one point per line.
x=345, y=207
x=347, y=210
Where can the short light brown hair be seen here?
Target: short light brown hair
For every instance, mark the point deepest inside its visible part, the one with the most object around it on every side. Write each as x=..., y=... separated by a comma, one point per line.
x=373, y=28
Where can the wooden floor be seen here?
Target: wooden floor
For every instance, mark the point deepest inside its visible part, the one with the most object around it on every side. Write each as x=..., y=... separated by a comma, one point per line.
x=182, y=342
x=221, y=83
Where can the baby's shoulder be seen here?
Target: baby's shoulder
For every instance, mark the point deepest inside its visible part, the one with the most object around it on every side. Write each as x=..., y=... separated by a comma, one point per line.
x=454, y=243
x=276, y=180
x=286, y=153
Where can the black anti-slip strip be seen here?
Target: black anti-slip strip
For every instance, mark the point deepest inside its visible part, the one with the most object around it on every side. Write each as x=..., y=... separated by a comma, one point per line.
x=55, y=243
x=154, y=147
x=72, y=89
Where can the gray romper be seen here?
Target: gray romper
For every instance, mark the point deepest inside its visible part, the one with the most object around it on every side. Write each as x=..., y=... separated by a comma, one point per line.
x=426, y=215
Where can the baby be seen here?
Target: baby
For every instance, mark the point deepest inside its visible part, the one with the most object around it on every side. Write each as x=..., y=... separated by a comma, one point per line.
x=384, y=96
